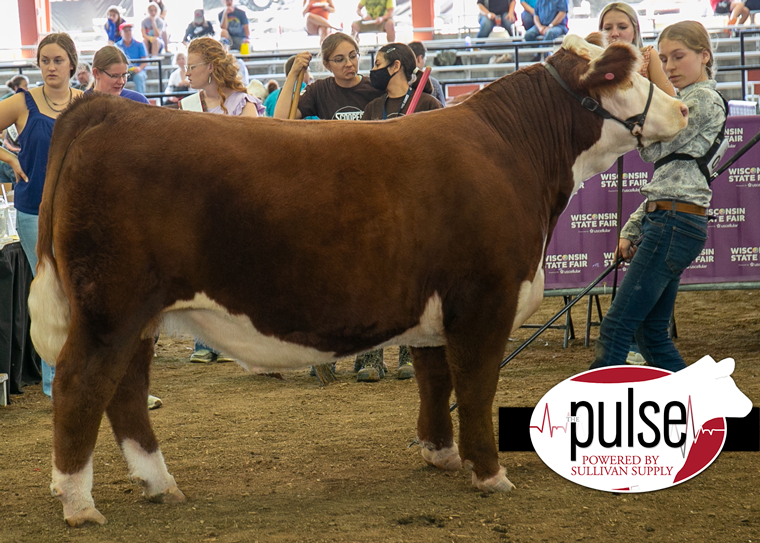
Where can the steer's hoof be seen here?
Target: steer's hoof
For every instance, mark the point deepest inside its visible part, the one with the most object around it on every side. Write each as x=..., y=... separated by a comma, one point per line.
x=447, y=458
x=497, y=483
x=170, y=496
x=89, y=514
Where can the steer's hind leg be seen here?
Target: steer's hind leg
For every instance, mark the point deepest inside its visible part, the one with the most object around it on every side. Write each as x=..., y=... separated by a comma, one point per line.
x=86, y=376
x=434, y=429
x=475, y=344
x=129, y=418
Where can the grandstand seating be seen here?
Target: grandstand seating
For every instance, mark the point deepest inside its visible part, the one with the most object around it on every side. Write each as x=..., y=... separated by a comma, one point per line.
x=477, y=64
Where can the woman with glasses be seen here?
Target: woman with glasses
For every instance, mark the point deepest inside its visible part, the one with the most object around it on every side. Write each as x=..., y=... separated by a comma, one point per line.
x=110, y=69
x=34, y=112
x=342, y=96
x=214, y=73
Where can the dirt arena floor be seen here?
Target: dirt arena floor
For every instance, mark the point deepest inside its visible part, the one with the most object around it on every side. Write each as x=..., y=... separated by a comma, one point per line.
x=262, y=459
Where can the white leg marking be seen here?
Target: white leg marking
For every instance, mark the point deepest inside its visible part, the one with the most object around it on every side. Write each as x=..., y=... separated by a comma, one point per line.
x=446, y=458
x=149, y=471
x=497, y=483
x=75, y=492
x=49, y=310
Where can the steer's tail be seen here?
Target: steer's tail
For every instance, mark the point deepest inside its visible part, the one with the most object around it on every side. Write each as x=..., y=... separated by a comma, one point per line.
x=48, y=305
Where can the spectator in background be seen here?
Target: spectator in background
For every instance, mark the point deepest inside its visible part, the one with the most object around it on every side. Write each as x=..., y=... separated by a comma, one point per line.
x=342, y=96
x=134, y=50
x=198, y=28
x=162, y=14
x=420, y=54
x=496, y=13
x=214, y=72
x=377, y=17
x=737, y=10
x=34, y=113
x=316, y=13
x=109, y=68
x=550, y=21
x=83, y=77
x=114, y=21
x=619, y=22
x=178, y=79
x=256, y=88
x=529, y=9
x=17, y=83
x=271, y=101
x=395, y=68
x=394, y=74
x=14, y=84
x=234, y=24
x=242, y=68
x=152, y=28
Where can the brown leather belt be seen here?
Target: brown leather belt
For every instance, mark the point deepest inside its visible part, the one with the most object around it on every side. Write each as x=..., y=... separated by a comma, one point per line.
x=672, y=205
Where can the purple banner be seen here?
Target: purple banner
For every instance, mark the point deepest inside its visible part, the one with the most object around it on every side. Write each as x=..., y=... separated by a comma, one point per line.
x=586, y=234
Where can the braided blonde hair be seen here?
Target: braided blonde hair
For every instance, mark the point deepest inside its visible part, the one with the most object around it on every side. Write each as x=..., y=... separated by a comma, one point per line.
x=224, y=69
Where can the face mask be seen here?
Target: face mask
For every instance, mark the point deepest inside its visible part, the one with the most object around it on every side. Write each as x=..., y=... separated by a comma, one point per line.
x=380, y=78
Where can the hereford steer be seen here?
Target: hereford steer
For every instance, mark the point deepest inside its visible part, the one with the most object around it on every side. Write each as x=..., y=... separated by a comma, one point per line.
x=285, y=244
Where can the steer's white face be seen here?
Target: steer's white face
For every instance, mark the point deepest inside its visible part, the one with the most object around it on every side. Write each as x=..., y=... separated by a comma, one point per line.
x=666, y=117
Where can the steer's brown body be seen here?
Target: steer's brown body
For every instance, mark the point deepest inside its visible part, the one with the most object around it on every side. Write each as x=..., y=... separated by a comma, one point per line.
x=286, y=243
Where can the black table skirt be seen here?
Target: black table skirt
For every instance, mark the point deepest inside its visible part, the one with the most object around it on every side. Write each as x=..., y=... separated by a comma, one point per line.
x=17, y=355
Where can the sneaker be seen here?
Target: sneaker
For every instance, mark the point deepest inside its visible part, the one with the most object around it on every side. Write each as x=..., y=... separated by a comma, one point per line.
x=154, y=402
x=405, y=371
x=202, y=356
x=636, y=359
x=220, y=358
x=372, y=367
x=368, y=375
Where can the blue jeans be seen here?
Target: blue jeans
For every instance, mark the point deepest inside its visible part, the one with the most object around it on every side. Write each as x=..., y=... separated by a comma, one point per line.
x=199, y=345
x=527, y=20
x=486, y=25
x=554, y=32
x=645, y=300
x=138, y=78
x=26, y=225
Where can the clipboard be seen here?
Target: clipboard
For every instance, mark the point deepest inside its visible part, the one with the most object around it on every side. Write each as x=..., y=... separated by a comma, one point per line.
x=194, y=102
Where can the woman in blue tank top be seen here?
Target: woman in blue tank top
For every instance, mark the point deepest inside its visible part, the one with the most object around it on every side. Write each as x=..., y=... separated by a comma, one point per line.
x=34, y=112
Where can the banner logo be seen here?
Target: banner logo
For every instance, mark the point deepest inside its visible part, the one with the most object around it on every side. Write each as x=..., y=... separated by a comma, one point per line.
x=637, y=428
x=735, y=136
x=632, y=181
x=567, y=263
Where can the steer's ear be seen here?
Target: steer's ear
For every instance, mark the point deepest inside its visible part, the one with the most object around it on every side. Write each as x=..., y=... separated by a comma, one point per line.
x=613, y=68
x=596, y=38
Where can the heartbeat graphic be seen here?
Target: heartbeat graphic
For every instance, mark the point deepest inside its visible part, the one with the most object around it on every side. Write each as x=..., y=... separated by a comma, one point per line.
x=547, y=418
x=694, y=432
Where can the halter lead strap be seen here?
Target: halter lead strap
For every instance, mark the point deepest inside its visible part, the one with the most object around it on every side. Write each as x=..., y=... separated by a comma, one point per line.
x=631, y=123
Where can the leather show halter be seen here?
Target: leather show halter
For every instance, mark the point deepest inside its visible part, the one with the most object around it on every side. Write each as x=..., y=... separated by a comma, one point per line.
x=634, y=124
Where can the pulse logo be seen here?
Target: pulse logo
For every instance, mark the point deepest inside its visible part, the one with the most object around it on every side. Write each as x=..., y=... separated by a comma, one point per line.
x=637, y=428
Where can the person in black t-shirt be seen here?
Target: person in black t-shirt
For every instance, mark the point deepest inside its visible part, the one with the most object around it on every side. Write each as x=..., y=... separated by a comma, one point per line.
x=198, y=28
x=342, y=96
x=395, y=67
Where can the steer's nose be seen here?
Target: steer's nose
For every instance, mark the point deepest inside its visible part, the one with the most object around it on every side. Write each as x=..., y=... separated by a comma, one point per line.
x=684, y=111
